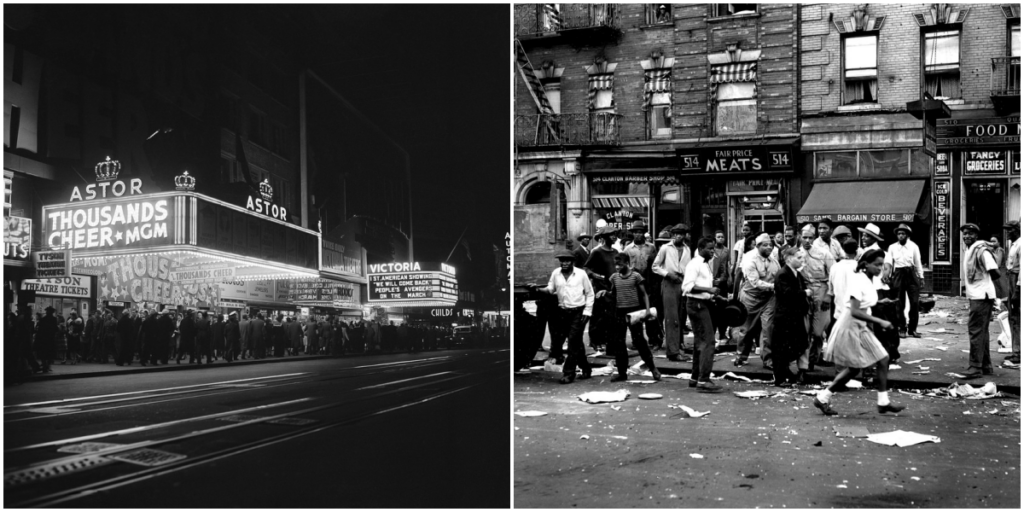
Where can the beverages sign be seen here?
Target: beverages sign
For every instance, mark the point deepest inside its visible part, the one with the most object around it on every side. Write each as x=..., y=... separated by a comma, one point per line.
x=716, y=161
x=943, y=221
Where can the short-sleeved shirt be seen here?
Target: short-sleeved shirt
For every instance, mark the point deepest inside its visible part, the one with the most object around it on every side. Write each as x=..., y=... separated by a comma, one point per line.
x=983, y=288
x=625, y=289
x=839, y=277
x=861, y=288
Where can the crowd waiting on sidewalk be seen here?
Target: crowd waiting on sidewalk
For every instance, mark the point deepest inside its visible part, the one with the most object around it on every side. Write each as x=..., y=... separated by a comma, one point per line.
x=811, y=296
x=151, y=337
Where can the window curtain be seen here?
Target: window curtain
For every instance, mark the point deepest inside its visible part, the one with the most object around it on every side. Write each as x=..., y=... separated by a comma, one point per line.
x=656, y=81
x=949, y=85
x=729, y=73
x=600, y=82
x=873, y=86
x=854, y=91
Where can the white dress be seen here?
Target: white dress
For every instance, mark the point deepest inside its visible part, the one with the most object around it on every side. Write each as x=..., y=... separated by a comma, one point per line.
x=852, y=343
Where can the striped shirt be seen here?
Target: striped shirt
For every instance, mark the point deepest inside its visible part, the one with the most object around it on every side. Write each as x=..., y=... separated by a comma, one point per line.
x=626, y=289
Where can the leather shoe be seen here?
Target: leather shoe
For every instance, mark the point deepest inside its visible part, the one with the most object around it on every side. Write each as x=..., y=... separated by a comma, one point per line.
x=989, y=372
x=585, y=376
x=708, y=387
x=826, y=409
x=903, y=334
x=914, y=334
x=675, y=357
x=619, y=378
x=739, y=361
x=566, y=380
x=882, y=409
x=972, y=374
x=693, y=383
x=656, y=374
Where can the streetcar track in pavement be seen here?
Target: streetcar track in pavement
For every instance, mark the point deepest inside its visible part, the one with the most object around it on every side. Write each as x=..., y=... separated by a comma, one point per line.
x=89, y=489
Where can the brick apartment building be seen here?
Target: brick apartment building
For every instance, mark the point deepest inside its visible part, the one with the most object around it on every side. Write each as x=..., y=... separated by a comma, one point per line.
x=690, y=113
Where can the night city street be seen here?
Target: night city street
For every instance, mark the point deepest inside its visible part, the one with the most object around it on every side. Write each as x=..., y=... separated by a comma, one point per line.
x=335, y=433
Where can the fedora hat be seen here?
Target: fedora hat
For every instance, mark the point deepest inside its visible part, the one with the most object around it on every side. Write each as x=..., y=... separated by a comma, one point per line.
x=903, y=227
x=872, y=230
x=970, y=226
x=638, y=225
x=664, y=236
x=565, y=254
x=735, y=313
x=840, y=231
x=680, y=228
x=604, y=231
x=582, y=236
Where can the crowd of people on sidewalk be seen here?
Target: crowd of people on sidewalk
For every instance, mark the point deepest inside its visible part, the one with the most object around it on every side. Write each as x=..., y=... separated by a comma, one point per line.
x=808, y=296
x=150, y=337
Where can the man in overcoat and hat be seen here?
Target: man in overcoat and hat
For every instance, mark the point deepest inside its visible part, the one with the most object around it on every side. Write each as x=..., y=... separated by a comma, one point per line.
x=907, y=278
x=582, y=251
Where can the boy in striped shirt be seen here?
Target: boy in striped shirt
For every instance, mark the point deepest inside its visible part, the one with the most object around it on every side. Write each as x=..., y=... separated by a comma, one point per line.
x=628, y=287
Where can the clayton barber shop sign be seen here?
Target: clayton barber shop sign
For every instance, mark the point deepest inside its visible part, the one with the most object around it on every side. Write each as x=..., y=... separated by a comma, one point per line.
x=716, y=161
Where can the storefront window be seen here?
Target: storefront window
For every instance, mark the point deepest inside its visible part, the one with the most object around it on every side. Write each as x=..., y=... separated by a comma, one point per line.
x=835, y=165
x=882, y=163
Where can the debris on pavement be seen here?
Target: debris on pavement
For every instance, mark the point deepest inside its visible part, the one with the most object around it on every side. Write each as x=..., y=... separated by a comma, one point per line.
x=733, y=376
x=1010, y=364
x=597, y=397
x=696, y=456
x=649, y=396
x=941, y=348
x=851, y=431
x=584, y=437
x=756, y=394
x=920, y=373
x=970, y=392
x=902, y=438
x=956, y=375
x=940, y=329
x=603, y=371
x=854, y=384
x=530, y=414
x=640, y=382
x=550, y=366
x=689, y=412
x=923, y=360
x=895, y=367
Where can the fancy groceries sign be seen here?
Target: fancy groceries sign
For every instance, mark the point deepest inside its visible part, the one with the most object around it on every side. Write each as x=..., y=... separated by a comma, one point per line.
x=117, y=218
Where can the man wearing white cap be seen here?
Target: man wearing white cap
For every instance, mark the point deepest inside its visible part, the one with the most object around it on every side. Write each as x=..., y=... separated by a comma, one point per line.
x=817, y=265
x=758, y=295
x=907, y=277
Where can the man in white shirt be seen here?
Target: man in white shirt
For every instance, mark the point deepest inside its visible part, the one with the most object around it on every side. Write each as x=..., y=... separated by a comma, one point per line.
x=758, y=295
x=670, y=263
x=738, y=250
x=576, y=302
x=639, y=249
x=1013, y=269
x=907, y=278
x=980, y=271
x=699, y=288
x=826, y=241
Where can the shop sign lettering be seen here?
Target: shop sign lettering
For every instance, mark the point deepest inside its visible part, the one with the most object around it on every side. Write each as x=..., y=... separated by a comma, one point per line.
x=741, y=159
x=17, y=238
x=141, y=278
x=943, y=221
x=267, y=208
x=858, y=217
x=95, y=228
x=52, y=263
x=985, y=162
x=72, y=286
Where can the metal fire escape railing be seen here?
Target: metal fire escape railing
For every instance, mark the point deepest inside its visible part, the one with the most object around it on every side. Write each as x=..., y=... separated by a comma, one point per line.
x=536, y=19
x=1005, y=77
x=579, y=129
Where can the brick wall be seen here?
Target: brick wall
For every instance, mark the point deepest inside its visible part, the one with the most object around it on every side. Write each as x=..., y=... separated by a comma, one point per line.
x=984, y=35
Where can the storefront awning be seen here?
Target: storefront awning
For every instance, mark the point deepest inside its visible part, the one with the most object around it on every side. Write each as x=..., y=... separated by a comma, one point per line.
x=622, y=202
x=866, y=201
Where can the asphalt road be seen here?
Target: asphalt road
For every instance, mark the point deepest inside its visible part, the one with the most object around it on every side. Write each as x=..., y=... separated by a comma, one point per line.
x=773, y=452
x=409, y=430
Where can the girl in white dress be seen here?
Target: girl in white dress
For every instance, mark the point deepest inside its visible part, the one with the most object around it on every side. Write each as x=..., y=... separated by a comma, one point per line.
x=852, y=344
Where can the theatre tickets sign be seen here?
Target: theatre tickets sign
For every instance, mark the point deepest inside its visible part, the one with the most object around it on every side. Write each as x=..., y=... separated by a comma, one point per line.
x=111, y=214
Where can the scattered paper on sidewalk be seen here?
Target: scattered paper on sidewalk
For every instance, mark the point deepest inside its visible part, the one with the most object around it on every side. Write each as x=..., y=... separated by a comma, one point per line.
x=649, y=396
x=640, y=382
x=956, y=375
x=584, y=437
x=940, y=348
x=602, y=371
x=934, y=339
x=733, y=376
x=895, y=367
x=597, y=397
x=923, y=360
x=851, y=431
x=530, y=414
x=920, y=373
x=696, y=456
x=924, y=368
x=854, y=384
x=1005, y=350
x=1010, y=364
x=755, y=394
x=550, y=366
x=690, y=412
x=683, y=376
x=989, y=390
x=940, y=329
x=902, y=438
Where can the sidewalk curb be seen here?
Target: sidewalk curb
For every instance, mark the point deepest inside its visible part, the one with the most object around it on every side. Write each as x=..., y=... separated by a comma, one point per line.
x=813, y=379
x=136, y=368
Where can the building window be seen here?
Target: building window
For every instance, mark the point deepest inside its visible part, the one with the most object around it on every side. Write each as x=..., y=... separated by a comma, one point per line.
x=658, y=14
x=540, y=194
x=860, y=64
x=942, y=64
x=661, y=115
x=1015, y=40
x=736, y=108
x=553, y=93
x=734, y=9
x=257, y=128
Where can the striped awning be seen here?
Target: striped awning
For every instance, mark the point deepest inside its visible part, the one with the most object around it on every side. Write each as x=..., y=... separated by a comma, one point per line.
x=739, y=72
x=602, y=82
x=658, y=80
x=622, y=202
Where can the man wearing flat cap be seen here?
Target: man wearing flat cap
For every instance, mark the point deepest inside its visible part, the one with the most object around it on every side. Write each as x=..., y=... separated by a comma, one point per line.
x=1013, y=269
x=670, y=264
x=980, y=271
x=907, y=278
x=581, y=252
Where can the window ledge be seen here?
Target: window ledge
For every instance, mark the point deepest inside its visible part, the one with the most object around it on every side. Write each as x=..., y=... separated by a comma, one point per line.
x=734, y=17
x=860, y=107
x=958, y=101
x=667, y=24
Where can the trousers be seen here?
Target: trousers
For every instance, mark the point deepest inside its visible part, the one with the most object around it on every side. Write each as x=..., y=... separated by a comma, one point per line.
x=571, y=321
x=977, y=327
x=703, y=339
x=907, y=286
x=671, y=298
x=617, y=345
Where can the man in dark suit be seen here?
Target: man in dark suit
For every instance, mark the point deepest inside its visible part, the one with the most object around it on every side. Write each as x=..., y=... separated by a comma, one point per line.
x=789, y=339
x=582, y=251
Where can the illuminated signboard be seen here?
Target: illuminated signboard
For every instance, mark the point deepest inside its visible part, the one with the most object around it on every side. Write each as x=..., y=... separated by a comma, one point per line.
x=123, y=223
x=52, y=263
x=73, y=286
x=341, y=256
x=338, y=294
x=412, y=282
x=17, y=240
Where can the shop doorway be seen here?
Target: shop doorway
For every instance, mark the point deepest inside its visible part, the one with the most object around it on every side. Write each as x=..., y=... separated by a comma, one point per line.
x=986, y=203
